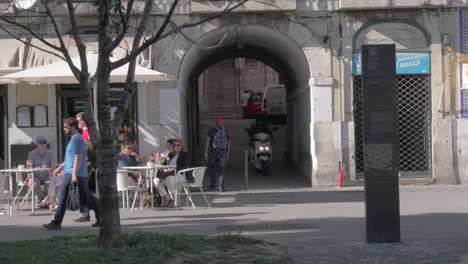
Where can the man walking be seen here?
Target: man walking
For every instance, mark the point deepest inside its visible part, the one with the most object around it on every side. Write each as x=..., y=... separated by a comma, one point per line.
x=217, y=147
x=75, y=169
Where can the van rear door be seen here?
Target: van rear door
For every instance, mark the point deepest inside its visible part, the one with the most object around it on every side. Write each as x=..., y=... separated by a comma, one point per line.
x=274, y=100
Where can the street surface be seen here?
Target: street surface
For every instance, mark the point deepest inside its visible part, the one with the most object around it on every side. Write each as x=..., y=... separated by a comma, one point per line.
x=324, y=225
x=317, y=225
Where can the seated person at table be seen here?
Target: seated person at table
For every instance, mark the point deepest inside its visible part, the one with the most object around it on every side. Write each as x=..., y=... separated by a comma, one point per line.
x=166, y=178
x=53, y=190
x=169, y=149
x=129, y=158
x=41, y=157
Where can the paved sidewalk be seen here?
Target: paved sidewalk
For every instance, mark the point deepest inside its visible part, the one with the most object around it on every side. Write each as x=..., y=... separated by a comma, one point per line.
x=316, y=225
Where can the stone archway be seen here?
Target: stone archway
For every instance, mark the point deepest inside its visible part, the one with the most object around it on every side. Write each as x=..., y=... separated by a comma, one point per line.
x=271, y=47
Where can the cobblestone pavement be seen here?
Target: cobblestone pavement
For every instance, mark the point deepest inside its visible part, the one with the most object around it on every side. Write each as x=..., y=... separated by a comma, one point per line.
x=325, y=225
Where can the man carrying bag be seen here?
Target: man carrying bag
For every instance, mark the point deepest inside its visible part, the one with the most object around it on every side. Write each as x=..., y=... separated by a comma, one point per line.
x=75, y=172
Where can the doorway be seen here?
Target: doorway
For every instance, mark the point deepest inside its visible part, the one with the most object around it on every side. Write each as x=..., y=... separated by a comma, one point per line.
x=70, y=102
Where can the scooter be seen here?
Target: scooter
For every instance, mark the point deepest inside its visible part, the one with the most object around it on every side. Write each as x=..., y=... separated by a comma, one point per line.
x=260, y=152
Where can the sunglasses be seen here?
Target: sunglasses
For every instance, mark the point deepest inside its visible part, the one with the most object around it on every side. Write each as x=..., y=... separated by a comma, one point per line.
x=42, y=142
x=176, y=145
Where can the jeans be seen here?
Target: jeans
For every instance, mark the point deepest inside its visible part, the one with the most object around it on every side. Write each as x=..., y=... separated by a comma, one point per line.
x=213, y=159
x=86, y=198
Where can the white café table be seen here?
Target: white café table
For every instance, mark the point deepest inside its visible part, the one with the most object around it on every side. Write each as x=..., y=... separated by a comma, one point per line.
x=150, y=173
x=10, y=173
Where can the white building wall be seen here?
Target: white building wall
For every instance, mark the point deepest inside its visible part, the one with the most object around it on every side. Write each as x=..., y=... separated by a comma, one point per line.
x=26, y=135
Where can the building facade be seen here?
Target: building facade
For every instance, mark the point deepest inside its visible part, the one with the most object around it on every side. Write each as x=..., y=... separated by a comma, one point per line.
x=314, y=46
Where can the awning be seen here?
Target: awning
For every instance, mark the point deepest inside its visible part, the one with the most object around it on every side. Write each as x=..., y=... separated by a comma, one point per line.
x=60, y=73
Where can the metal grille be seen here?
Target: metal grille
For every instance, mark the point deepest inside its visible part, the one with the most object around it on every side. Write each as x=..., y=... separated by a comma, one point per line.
x=413, y=106
x=464, y=30
x=464, y=103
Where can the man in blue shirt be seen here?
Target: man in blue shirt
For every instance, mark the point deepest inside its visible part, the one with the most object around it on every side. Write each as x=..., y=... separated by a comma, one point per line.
x=75, y=170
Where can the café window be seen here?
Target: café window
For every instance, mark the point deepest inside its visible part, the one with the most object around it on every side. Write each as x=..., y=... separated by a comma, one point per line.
x=32, y=116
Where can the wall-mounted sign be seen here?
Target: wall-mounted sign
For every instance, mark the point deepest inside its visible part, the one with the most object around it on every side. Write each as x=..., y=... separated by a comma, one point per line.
x=406, y=63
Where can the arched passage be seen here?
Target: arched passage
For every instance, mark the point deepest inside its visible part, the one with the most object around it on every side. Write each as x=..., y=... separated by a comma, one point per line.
x=271, y=47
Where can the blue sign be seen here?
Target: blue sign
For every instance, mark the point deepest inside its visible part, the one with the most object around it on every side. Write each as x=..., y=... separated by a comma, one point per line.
x=406, y=63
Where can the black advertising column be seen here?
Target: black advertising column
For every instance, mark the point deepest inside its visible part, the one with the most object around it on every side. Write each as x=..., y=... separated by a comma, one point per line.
x=380, y=148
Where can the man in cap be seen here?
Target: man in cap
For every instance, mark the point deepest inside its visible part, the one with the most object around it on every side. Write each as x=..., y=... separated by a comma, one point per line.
x=217, y=147
x=41, y=157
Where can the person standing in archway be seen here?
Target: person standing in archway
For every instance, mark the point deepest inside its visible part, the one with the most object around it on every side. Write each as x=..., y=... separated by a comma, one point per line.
x=244, y=101
x=217, y=147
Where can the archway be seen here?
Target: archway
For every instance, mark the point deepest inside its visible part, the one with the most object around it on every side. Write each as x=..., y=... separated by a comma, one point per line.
x=270, y=47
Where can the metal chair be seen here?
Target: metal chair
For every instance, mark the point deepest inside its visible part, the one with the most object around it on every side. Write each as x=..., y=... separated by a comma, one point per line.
x=198, y=174
x=5, y=196
x=21, y=183
x=122, y=186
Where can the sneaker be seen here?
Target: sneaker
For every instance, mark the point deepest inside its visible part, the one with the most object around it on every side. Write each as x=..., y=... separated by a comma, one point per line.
x=52, y=226
x=212, y=186
x=97, y=224
x=82, y=219
x=221, y=189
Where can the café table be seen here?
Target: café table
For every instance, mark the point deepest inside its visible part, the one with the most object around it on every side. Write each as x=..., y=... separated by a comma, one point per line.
x=150, y=173
x=10, y=172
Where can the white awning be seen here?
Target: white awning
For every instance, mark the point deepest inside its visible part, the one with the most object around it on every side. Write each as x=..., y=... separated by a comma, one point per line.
x=60, y=73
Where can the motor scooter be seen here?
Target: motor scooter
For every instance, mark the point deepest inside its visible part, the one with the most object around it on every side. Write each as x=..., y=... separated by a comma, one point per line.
x=260, y=151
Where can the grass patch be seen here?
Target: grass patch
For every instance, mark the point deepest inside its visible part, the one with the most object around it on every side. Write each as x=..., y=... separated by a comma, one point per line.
x=142, y=247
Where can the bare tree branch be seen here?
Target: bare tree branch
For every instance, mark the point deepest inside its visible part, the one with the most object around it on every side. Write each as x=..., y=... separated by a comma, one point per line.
x=64, y=49
x=125, y=21
x=130, y=83
x=159, y=34
x=83, y=76
x=135, y=52
x=79, y=43
x=32, y=45
x=30, y=31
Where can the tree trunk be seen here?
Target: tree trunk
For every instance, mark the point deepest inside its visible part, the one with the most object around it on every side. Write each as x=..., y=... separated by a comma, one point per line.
x=110, y=232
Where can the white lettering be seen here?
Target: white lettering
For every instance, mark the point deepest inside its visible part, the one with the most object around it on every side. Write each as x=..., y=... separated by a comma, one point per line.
x=410, y=64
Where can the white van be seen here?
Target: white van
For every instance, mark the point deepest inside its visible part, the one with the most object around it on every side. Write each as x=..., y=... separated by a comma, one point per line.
x=274, y=100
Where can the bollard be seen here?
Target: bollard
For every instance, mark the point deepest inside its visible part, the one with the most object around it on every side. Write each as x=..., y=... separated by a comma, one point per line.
x=246, y=169
x=340, y=178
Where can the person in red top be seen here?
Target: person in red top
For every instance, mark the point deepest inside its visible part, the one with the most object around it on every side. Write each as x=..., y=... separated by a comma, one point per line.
x=91, y=163
x=82, y=126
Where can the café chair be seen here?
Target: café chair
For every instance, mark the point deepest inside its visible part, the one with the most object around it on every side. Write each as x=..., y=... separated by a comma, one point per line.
x=5, y=196
x=198, y=174
x=122, y=186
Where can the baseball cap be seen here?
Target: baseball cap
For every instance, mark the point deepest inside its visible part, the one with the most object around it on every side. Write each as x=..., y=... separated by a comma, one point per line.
x=41, y=139
x=218, y=120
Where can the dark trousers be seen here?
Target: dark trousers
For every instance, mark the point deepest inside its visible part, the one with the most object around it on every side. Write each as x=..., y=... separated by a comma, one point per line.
x=216, y=157
x=86, y=198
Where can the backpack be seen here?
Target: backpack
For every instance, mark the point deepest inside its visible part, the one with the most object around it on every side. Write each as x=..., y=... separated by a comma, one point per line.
x=220, y=140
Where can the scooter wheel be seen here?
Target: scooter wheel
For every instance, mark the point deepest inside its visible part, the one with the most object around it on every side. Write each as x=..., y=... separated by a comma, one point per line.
x=264, y=170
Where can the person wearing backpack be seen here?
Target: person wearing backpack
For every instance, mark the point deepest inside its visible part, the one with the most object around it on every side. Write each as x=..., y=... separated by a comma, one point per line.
x=217, y=146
